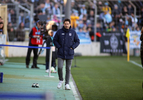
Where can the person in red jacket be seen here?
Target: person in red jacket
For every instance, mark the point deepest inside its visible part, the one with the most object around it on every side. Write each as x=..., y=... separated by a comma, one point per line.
x=35, y=39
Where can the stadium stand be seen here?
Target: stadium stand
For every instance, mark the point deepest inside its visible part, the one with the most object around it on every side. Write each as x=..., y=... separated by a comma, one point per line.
x=120, y=17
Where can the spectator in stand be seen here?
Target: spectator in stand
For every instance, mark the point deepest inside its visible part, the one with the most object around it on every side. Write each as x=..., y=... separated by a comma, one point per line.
x=75, y=12
x=47, y=4
x=91, y=17
x=27, y=22
x=56, y=20
x=116, y=14
x=106, y=9
x=91, y=34
x=84, y=29
x=89, y=25
x=130, y=9
x=128, y=22
x=114, y=29
x=40, y=12
x=80, y=30
x=137, y=29
x=56, y=10
x=99, y=27
x=100, y=6
x=73, y=20
x=48, y=7
x=134, y=20
x=48, y=19
x=21, y=17
x=107, y=18
x=90, y=7
x=107, y=13
x=9, y=16
x=9, y=25
x=84, y=19
x=111, y=26
x=42, y=7
x=13, y=16
x=20, y=33
x=124, y=11
x=35, y=2
x=83, y=11
x=74, y=6
x=11, y=34
x=120, y=23
x=80, y=25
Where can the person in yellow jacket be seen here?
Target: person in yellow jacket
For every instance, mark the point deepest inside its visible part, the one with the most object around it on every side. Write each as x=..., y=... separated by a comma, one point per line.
x=74, y=18
x=106, y=9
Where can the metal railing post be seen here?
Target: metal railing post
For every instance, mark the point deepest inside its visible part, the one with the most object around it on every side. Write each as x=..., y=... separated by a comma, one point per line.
x=31, y=15
x=50, y=60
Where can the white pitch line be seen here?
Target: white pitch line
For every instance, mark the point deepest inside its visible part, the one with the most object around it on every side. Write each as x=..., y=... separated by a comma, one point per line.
x=75, y=92
x=136, y=64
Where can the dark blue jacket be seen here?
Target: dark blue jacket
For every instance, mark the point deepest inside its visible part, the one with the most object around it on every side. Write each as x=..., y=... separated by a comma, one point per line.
x=64, y=40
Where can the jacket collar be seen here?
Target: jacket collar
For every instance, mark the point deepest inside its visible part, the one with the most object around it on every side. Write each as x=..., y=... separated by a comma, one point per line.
x=66, y=30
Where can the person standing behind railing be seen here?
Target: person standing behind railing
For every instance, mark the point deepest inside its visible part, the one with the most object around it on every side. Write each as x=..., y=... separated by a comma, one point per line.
x=34, y=39
x=49, y=43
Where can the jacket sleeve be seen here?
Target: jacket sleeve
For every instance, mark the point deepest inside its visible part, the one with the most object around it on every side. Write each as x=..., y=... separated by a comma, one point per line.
x=30, y=34
x=76, y=41
x=56, y=40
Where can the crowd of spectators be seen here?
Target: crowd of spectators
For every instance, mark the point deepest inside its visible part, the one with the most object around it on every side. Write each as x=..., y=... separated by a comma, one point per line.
x=110, y=18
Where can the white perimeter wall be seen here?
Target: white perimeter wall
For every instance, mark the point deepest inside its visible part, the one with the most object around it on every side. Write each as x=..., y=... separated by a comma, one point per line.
x=92, y=49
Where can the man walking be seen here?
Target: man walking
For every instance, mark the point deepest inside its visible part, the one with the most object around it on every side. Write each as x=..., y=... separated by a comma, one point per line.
x=66, y=40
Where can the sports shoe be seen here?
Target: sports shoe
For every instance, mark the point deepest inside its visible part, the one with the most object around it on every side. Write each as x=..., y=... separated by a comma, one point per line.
x=37, y=85
x=60, y=84
x=32, y=66
x=33, y=85
x=54, y=71
x=47, y=71
x=67, y=87
x=37, y=67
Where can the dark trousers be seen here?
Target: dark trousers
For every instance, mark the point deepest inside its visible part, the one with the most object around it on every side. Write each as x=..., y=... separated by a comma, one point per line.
x=35, y=51
x=53, y=65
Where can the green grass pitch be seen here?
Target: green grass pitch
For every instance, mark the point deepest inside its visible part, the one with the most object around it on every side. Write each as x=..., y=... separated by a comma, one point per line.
x=105, y=78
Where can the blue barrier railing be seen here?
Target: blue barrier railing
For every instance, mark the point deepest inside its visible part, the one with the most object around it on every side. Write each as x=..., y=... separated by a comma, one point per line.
x=24, y=46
